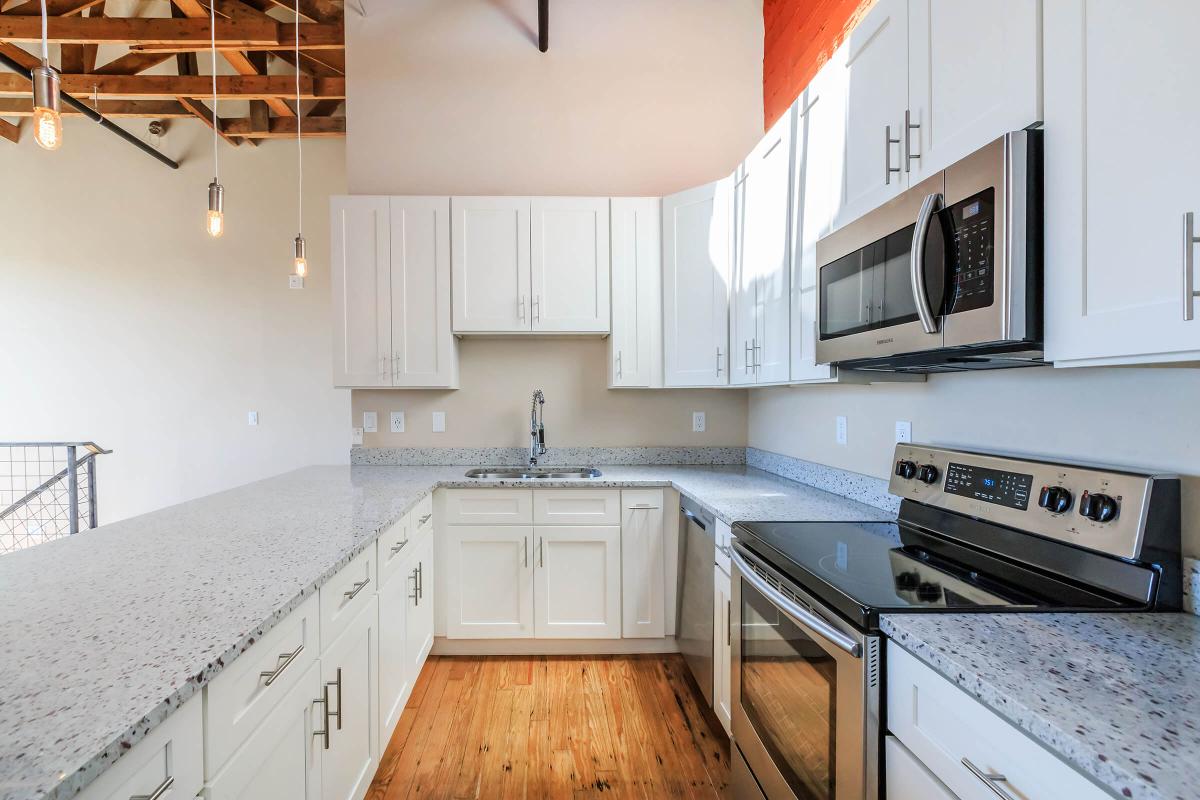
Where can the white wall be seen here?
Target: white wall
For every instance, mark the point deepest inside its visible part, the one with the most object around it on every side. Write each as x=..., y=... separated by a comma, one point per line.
x=1142, y=418
x=122, y=322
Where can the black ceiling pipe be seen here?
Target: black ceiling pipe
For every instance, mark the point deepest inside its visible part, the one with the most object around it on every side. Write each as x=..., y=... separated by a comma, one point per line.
x=92, y=114
x=543, y=25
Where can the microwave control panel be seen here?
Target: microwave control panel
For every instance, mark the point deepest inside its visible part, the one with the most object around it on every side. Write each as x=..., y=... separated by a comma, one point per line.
x=969, y=227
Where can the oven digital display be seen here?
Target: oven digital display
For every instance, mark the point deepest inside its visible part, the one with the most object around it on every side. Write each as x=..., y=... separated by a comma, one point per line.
x=1009, y=489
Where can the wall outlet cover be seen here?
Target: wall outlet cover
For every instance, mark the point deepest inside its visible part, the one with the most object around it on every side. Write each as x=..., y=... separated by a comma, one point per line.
x=295, y=282
x=370, y=422
x=698, y=422
x=356, y=435
x=903, y=431
x=439, y=422
x=841, y=430
x=397, y=420
x=252, y=418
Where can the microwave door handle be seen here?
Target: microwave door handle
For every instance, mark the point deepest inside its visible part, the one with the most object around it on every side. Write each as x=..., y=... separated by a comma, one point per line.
x=798, y=613
x=916, y=262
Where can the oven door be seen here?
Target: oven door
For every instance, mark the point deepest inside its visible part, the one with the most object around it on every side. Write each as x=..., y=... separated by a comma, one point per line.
x=805, y=691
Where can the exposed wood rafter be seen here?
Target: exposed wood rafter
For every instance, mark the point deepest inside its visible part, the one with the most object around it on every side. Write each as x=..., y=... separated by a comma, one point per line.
x=229, y=87
x=11, y=130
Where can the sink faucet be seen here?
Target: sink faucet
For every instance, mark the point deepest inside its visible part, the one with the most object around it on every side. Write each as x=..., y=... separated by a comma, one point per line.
x=537, y=431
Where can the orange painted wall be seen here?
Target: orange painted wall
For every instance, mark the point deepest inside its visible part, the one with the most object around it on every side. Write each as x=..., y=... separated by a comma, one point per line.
x=799, y=36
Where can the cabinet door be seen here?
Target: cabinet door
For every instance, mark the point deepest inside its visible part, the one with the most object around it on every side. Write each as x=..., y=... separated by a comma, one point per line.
x=696, y=257
x=1121, y=172
x=282, y=760
x=169, y=760
x=490, y=264
x=635, y=347
x=569, y=264
x=348, y=673
x=974, y=74
x=743, y=294
x=395, y=678
x=643, y=576
x=489, y=581
x=722, y=649
x=874, y=63
x=419, y=634
x=360, y=263
x=577, y=582
x=907, y=778
x=424, y=352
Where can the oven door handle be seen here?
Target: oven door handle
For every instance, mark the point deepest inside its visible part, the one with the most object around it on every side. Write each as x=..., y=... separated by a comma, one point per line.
x=916, y=262
x=797, y=612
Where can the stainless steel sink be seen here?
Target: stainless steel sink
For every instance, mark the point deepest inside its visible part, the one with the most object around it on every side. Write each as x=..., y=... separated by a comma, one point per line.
x=532, y=473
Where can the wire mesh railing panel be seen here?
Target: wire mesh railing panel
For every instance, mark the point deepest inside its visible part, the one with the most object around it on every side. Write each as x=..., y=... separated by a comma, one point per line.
x=47, y=490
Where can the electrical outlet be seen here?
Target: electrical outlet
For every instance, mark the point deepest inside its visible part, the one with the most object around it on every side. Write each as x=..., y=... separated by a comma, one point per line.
x=841, y=430
x=903, y=431
x=439, y=422
x=295, y=282
x=698, y=422
x=370, y=422
x=397, y=422
x=356, y=435
x=252, y=418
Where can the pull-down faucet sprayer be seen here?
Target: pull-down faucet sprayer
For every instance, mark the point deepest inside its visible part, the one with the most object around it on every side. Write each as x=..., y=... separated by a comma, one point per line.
x=537, y=430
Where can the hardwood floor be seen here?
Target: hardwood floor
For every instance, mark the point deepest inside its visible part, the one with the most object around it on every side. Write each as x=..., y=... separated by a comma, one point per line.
x=554, y=727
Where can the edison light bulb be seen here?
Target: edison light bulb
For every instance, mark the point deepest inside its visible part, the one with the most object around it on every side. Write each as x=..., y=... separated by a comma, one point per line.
x=300, y=264
x=216, y=209
x=216, y=224
x=47, y=123
x=301, y=267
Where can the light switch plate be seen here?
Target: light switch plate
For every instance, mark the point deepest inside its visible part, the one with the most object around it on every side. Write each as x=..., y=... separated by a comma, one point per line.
x=397, y=422
x=903, y=431
x=439, y=422
x=252, y=418
x=370, y=422
x=841, y=430
x=698, y=422
x=356, y=435
x=295, y=282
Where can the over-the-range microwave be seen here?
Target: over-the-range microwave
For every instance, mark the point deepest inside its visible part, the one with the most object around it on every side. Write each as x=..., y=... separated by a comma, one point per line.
x=945, y=277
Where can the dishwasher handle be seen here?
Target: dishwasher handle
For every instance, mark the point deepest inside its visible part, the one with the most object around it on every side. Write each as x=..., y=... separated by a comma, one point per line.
x=701, y=523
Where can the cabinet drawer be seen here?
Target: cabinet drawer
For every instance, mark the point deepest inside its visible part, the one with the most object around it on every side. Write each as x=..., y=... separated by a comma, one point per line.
x=945, y=727
x=907, y=778
x=170, y=759
x=576, y=507
x=346, y=593
x=489, y=507
x=421, y=517
x=393, y=546
x=242, y=695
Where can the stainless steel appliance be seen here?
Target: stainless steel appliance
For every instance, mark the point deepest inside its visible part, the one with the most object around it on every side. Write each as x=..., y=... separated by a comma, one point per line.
x=694, y=614
x=975, y=532
x=945, y=277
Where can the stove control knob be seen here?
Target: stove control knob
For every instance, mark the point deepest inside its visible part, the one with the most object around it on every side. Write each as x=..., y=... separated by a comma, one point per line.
x=908, y=581
x=929, y=592
x=1055, y=499
x=1098, y=507
x=927, y=473
x=906, y=469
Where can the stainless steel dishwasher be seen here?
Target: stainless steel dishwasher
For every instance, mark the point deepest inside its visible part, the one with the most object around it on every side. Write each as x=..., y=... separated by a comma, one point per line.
x=694, y=615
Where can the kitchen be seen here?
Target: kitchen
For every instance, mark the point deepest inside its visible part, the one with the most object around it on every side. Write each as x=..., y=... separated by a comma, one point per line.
x=295, y=589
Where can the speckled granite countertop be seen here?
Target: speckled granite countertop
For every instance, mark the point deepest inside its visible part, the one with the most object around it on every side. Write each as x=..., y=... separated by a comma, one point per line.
x=108, y=632
x=1115, y=695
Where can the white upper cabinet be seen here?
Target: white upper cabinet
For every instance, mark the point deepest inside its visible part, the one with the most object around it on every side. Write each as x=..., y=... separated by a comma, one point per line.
x=1121, y=173
x=874, y=74
x=491, y=264
x=391, y=292
x=696, y=269
x=360, y=232
x=759, y=314
x=974, y=74
x=424, y=351
x=569, y=264
x=635, y=347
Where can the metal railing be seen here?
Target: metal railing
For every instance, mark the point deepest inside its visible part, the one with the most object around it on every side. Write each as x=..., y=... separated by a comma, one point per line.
x=47, y=490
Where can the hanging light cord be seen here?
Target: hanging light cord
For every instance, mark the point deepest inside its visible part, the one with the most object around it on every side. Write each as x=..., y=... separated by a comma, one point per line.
x=212, y=27
x=299, y=143
x=45, y=43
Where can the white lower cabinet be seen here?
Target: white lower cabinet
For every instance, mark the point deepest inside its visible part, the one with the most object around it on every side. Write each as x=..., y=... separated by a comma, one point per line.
x=405, y=631
x=577, y=582
x=722, y=649
x=643, y=564
x=418, y=630
x=348, y=702
x=489, y=581
x=907, y=778
x=169, y=762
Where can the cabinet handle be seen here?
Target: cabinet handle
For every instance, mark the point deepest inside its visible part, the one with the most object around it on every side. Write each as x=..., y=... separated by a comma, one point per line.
x=421, y=580
x=749, y=355
x=424, y=519
x=521, y=308
x=415, y=596
x=618, y=365
x=288, y=658
x=526, y=551
x=888, y=141
x=541, y=552
x=1190, y=240
x=991, y=780
x=358, y=587
x=718, y=362
x=396, y=548
x=537, y=308
x=158, y=793
x=757, y=351
x=324, y=701
x=909, y=127
x=336, y=714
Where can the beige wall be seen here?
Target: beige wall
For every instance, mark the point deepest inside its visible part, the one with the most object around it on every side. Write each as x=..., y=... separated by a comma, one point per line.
x=122, y=322
x=1144, y=418
x=492, y=407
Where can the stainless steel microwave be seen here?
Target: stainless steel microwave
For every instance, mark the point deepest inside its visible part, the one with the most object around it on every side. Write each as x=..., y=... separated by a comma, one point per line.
x=945, y=277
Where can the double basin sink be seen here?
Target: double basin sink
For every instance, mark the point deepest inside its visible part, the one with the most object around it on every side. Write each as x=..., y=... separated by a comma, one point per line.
x=530, y=473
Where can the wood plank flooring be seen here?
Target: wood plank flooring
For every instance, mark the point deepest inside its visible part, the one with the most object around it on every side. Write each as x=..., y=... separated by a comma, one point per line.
x=554, y=727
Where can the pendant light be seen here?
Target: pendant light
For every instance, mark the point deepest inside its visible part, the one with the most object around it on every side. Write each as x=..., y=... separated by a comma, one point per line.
x=47, y=121
x=215, y=219
x=299, y=262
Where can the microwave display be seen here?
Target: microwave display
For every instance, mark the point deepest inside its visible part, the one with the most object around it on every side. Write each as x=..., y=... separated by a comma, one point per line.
x=970, y=230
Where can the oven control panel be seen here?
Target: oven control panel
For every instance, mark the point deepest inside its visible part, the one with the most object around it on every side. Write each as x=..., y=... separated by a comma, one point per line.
x=1090, y=507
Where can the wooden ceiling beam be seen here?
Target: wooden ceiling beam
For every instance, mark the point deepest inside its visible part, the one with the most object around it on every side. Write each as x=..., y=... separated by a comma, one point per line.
x=312, y=10
x=162, y=33
x=324, y=108
x=132, y=63
x=318, y=63
x=229, y=87
x=20, y=55
x=206, y=116
x=11, y=130
x=54, y=8
x=113, y=109
x=285, y=127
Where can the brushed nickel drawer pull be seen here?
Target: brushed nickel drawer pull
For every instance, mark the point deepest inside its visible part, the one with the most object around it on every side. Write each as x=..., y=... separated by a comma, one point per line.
x=324, y=701
x=909, y=127
x=416, y=594
x=888, y=169
x=337, y=714
x=991, y=780
x=158, y=793
x=1190, y=240
x=358, y=587
x=396, y=548
x=288, y=658
x=421, y=581
x=424, y=519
